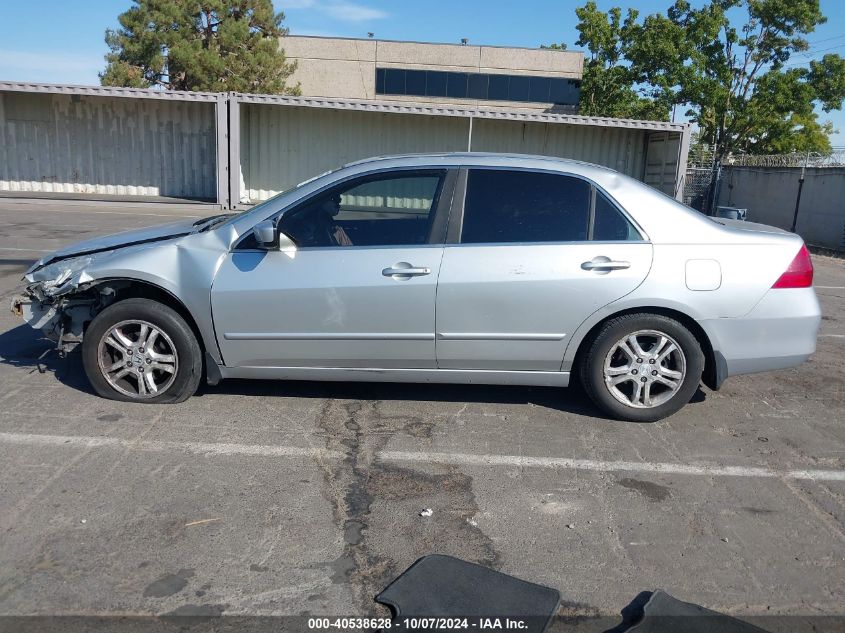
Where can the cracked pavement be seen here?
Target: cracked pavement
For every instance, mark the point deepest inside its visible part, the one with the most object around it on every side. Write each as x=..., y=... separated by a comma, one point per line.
x=274, y=498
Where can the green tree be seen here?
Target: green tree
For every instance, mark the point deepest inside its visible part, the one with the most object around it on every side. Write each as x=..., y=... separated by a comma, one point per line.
x=727, y=62
x=735, y=79
x=608, y=86
x=209, y=45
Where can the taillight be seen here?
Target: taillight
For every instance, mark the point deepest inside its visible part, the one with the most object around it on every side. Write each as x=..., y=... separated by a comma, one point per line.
x=800, y=272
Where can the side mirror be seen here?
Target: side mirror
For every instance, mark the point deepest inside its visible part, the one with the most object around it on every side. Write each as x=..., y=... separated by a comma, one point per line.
x=270, y=238
x=265, y=234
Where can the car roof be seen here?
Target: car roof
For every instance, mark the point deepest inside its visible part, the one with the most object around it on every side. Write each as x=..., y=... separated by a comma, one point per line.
x=661, y=218
x=493, y=159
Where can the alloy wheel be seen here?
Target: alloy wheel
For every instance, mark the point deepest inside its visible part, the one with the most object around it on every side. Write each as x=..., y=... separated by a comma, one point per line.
x=138, y=359
x=644, y=369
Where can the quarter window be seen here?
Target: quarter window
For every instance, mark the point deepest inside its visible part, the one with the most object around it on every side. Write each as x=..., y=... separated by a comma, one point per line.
x=610, y=225
x=523, y=206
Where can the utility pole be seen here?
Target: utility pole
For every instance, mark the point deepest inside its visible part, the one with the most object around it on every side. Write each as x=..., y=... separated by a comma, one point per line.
x=716, y=178
x=800, y=187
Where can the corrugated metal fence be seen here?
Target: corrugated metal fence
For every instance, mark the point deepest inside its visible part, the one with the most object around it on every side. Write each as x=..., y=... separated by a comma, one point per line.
x=86, y=141
x=283, y=145
x=63, y=143
x=618, y=148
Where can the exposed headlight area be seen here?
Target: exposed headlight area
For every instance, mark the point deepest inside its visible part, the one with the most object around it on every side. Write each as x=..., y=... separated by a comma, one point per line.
x=59, y=277
x=59, y=299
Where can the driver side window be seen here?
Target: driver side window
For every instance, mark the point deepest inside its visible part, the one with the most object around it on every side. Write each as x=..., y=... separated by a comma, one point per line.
x=394, y=209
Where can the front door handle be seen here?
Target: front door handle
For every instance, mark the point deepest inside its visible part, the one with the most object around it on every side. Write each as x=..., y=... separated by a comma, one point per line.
x=404, y=270
x=602, y=264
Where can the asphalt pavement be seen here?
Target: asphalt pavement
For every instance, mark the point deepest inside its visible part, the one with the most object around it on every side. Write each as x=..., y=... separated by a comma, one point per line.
x=292, y=498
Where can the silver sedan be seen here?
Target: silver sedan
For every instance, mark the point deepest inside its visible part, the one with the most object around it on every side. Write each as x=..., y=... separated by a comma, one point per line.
x=454, y=268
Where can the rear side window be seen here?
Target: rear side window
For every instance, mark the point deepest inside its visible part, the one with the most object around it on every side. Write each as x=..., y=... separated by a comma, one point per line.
x=523, y=206
x=610, y=225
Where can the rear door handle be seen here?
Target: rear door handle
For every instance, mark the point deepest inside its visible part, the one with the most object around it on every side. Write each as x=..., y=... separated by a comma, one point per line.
x=404, y=270
x=604, y=264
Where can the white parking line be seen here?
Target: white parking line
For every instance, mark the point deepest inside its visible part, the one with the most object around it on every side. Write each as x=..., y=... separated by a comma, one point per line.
x=152, y=215
x=832, y=335
x=708, y=470
x=464, y=459
x=199, y=448
x=24, y=250
x=831, y=287
x=174, y=214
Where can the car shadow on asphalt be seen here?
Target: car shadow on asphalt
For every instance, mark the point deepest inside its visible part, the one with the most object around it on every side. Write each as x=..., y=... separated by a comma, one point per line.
x=24, y=347
x=572, y=399
x=567, y=400
x=27, y=348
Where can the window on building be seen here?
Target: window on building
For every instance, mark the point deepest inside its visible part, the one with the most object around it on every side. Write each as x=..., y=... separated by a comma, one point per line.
x=394, y=81
x=499, y=87
x=481, y=86
x=435, y=84
x=538, y=90
x=521, y=206
x=414, y=82
x=477, y=85
x=456, y=85
x=518, y=90
x=563, y=90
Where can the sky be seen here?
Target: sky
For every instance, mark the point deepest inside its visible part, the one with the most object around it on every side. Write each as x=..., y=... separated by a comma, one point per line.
x=56, y=41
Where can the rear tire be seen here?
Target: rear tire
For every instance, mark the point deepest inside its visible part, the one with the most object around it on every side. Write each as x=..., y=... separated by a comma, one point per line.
x=140, y=350
x=642, y=367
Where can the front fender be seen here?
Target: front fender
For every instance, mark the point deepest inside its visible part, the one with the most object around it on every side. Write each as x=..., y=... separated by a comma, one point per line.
x=182, y=268
x=183, y=271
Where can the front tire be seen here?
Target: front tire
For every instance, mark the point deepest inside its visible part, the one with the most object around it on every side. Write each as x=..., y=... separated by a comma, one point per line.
x=642, y=367
x=140, y=350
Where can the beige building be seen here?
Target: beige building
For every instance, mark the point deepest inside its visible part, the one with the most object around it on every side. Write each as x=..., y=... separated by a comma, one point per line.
x=441, y=74
x=361, y=98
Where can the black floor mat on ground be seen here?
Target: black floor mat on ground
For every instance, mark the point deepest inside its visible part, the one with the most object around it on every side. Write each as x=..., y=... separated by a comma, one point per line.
x=664, y=614
x=438, y=586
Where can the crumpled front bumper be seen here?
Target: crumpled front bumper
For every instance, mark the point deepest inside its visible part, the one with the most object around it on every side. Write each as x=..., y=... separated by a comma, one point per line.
x=61, y=319
x=38, y=314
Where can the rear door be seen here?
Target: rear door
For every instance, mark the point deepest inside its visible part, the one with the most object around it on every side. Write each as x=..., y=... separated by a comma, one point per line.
x=532, y=256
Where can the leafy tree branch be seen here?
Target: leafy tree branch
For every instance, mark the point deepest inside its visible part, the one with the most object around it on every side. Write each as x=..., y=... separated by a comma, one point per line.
x=726, y=63
x=208, y=45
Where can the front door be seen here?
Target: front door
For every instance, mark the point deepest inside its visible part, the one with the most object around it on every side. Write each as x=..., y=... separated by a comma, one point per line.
x=359, y=289
x=539, y=252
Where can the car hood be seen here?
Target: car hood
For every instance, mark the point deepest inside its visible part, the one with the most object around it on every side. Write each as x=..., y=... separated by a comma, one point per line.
x=158, y=233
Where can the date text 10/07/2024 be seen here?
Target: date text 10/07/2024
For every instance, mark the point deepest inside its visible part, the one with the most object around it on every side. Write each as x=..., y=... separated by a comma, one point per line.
x=418, y=624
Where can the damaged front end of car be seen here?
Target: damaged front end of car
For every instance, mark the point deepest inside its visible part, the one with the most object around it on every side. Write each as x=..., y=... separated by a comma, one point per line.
x=61, y=298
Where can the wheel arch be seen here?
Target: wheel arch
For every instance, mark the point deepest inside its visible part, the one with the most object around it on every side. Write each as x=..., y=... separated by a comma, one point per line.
x=131, y=288
x=126, y=288
x=715, y=370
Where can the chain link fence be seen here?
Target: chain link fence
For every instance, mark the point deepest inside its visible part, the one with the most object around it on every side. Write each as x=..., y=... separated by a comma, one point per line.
x=702, y=181
x=834, y=158
x=701, y=172
x=697, y=186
